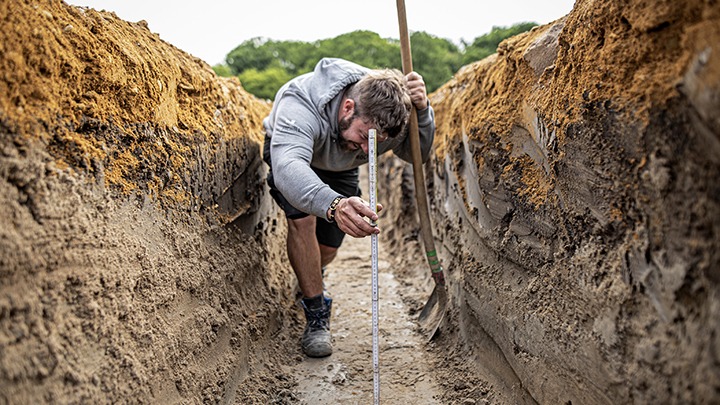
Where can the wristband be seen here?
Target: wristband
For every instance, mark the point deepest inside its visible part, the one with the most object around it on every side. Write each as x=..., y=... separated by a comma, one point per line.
x=333, y=207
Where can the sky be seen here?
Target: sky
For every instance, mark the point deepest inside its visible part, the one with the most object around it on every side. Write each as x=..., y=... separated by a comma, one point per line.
x=210, y=29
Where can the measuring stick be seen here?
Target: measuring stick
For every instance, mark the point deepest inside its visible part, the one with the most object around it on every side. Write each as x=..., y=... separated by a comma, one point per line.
x=372, y=163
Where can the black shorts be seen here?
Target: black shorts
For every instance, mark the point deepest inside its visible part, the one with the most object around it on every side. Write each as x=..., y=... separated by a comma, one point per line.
x=344, y=183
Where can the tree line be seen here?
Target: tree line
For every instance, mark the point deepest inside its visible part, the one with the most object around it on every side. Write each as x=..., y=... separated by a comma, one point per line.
x=263, y=65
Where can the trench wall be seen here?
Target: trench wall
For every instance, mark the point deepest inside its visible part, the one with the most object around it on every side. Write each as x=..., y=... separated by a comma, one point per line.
x=138, y=247
x=574, y=195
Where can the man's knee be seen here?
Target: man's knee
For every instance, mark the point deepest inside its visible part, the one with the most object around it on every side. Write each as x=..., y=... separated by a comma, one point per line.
x=304, y=227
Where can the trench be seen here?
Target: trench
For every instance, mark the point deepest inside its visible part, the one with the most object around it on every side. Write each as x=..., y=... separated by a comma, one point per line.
x=575, y=205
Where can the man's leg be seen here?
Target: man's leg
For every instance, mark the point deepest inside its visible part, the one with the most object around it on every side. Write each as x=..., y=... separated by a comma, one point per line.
x=312, y=244
x=327, y=254
x=305, y=259
x=304, y=254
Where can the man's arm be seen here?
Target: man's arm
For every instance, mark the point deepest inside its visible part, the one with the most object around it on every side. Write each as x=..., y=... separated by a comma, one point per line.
x=291, y=149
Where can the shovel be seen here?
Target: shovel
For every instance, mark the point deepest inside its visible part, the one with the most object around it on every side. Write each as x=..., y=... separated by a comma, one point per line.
x=433, y=312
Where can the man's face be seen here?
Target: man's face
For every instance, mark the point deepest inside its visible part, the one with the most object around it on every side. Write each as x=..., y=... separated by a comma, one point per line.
x=354, y=134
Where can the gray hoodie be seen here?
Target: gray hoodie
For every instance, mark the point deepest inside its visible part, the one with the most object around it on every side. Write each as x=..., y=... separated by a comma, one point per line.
x=302, y=131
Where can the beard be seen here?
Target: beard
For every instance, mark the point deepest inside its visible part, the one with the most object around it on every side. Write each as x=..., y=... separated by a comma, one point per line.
x=343, y=126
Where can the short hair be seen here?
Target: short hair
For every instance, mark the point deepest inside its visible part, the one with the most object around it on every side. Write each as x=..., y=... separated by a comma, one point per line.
x=383, y=98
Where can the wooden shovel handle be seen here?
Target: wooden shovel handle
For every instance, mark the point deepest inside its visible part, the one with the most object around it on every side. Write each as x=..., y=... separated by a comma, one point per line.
x=414, y=133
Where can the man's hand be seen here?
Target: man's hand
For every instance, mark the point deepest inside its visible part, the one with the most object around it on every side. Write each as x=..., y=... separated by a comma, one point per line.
x=350, y=216
x=418, y=92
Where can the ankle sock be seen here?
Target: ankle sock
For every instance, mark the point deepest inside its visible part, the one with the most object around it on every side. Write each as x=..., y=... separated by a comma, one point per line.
x=315, y=302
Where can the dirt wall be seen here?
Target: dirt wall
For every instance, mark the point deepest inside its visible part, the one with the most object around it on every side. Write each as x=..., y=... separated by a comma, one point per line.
x=137, y=252
x=574, y=194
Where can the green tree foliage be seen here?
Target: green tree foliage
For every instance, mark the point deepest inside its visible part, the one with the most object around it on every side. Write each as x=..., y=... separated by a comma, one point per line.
x=436, y=59
x=365, y=48
x=296, y=57
x=254, y=53
x=486, y=45
x=264, y=83
x=223, y=70
x=264, y=65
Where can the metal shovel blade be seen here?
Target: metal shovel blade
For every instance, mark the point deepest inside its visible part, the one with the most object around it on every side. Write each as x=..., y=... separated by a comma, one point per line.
x=433, y=313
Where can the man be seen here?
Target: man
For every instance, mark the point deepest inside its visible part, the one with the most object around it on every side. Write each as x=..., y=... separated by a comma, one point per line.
x=316, y=137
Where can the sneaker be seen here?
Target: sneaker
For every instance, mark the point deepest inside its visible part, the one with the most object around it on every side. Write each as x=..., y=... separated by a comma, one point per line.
x=316, y=340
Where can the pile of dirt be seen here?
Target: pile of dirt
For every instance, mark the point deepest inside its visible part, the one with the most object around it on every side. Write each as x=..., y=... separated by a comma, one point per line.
x=138, y=249
x=574, y=194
